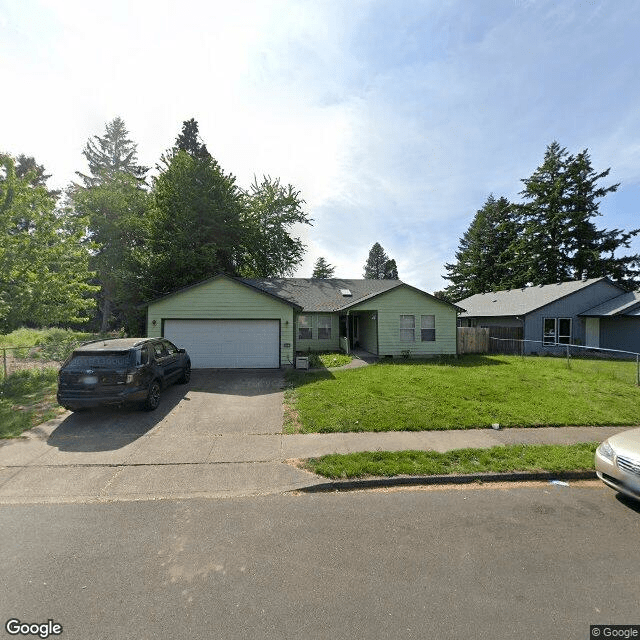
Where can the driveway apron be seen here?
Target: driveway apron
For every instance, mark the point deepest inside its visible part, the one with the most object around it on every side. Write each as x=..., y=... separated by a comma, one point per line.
x=220, y=435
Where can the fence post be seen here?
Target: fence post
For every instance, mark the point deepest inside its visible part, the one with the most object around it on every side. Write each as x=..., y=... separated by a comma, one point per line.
x=568, y=363
x=4, y=363
x=638, y=369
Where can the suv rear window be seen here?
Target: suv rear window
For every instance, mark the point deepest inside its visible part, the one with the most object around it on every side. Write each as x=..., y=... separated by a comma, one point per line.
x=100, y=360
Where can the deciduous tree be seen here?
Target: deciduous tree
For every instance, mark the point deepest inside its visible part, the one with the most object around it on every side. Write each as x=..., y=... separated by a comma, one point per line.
x=44, y=266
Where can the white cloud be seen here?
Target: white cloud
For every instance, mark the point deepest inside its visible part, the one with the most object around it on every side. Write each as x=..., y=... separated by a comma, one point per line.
x=395, y=120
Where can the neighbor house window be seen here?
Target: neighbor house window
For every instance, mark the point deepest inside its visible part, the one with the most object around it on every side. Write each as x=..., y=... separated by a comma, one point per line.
x=428, y=328
x=304, y=328
x=549, y=331
x=564, y=330
x=556, y=331
x=407, y=328
x=324, y=327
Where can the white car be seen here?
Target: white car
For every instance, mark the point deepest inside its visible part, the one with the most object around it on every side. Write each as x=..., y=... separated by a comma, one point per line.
x=618, y=462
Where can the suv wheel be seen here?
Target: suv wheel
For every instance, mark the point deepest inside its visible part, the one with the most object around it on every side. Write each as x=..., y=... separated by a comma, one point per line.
x=153, y=396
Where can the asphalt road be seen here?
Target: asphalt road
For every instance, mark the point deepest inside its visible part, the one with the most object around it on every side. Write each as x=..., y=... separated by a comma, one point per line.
x=535, y=561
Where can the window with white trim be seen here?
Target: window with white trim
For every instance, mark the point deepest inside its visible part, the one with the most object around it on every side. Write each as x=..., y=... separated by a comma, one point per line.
x=564, y=330
x=428, y=328
x=556, y=331
x=549, y=331
x=324, y=327
x=305, y=331
x=407, y=328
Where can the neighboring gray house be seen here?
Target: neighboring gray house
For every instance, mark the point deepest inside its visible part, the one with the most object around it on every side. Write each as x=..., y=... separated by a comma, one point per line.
x=594, y=313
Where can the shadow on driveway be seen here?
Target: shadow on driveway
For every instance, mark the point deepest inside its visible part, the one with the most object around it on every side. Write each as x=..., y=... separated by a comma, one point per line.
x=112, y=428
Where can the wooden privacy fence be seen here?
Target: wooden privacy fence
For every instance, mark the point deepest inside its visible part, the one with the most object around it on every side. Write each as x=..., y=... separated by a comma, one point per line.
x=478, y=340
x=473, y=340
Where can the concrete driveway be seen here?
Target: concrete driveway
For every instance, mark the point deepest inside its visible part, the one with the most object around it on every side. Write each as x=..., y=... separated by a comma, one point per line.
x=218, y=435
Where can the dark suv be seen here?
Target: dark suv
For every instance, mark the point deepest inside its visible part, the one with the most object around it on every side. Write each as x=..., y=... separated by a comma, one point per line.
x=119, y=371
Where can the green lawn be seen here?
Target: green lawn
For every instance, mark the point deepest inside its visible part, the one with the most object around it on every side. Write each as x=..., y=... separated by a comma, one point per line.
x=27, y=398
x=552, y=458
x=471, y=392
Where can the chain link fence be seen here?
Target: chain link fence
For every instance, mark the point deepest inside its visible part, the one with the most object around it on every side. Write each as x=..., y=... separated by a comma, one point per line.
x=35, y=357
x=628, y=362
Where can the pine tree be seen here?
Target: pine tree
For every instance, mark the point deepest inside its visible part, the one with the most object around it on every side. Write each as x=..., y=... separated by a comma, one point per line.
x=486, y=258
x=379, y=266
x=560, y=241
x=189, y=140
x=111, y=153
x=391, y=270
x=322, y=269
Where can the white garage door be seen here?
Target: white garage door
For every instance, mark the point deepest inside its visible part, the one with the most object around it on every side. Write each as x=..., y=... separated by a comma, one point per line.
x=227, y=344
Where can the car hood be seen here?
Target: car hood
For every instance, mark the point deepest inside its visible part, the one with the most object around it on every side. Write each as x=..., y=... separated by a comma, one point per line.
x=627, y=442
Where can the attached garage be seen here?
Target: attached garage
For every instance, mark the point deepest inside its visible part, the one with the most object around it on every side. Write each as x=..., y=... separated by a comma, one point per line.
x=226, y=323
x=227, y=344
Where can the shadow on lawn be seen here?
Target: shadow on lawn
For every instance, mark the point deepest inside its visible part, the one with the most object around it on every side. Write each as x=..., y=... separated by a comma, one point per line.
x=301, y=378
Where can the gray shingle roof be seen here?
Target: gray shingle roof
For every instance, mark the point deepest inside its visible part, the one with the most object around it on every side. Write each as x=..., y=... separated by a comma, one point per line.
x=624, y=305
x=518, y=302
x=317, y=295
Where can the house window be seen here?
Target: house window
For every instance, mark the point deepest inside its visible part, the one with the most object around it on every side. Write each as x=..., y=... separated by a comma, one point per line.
x=549, y=331
x=428, y=328
x=564, y=330
x=556, y=331
x=324, y=327
x=304, y=328
x=407, y=328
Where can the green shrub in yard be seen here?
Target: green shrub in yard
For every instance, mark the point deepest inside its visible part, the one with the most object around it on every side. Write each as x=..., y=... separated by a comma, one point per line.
x=551, y=458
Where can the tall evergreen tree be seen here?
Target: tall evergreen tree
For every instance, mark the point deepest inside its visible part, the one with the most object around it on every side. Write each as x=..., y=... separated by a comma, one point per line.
x=391, y=270
x=196, y=224
x=189, y=140
x=560, y=240
x=117, y=213
x=111, y=153
x=486, y=259
x=322, y=269
x=378, y=265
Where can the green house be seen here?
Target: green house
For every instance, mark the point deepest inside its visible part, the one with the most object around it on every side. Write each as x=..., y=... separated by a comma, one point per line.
x=229, y=322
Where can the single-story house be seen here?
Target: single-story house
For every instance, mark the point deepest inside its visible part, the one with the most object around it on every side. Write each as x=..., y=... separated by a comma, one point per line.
x=231, y=322
x=594, y=312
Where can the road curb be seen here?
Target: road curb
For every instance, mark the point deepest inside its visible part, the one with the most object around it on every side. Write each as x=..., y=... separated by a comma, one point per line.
x=407, y=481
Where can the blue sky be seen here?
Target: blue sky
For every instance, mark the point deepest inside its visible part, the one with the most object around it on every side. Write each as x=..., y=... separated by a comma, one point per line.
x=395, y=120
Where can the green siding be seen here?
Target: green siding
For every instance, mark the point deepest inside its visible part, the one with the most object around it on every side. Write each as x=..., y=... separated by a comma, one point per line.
x=405, y=301
x=333, y=344
x=225, y=299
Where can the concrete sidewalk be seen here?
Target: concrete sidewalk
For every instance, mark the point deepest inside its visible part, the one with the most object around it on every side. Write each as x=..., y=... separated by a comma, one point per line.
x=205, y=465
